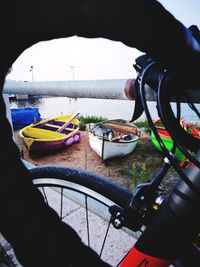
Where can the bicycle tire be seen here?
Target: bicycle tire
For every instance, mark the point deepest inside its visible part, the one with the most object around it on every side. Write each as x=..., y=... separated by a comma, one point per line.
x=101, y=194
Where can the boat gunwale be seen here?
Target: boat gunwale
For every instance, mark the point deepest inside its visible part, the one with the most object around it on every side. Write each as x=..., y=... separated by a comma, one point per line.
x=119, y=141
x=65, y=136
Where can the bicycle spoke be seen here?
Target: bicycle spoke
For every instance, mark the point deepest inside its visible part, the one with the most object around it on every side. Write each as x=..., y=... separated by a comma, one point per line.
x=105, y=237
x=45, y=196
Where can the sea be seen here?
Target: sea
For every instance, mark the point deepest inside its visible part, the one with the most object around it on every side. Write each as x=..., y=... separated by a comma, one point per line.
x=106, y=108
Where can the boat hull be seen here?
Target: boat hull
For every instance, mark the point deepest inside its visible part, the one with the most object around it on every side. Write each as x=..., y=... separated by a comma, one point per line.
x=167, y=140
x=113, y=138
x=168, y=144
x=106, y=149
x=48, y=146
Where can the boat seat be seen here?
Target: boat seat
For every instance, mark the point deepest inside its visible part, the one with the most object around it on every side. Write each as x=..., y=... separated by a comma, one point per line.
x=56, y=126
x=41, y=133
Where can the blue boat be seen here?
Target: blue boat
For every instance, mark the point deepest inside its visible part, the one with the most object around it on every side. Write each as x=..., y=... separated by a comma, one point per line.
x=22, y=117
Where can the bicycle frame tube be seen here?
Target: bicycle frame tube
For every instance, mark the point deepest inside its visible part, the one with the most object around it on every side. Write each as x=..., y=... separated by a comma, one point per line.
x=135, y=258
x=170, y=235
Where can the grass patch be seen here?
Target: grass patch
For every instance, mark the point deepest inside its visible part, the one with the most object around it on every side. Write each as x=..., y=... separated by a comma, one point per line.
x=137, y=174
x=89, y=119
x=143, y=124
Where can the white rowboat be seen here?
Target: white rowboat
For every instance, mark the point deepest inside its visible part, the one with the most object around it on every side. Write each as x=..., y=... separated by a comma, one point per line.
x=114, y=138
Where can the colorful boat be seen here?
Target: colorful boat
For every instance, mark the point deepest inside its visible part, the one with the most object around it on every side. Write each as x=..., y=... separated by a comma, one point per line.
x=167, y=140
x=113, y=138
x=22, y=117
x=51, y=134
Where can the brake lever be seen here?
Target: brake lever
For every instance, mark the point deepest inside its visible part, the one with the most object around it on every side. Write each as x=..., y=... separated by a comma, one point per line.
x=143, y=205
x=138, y=109
x=138, y=211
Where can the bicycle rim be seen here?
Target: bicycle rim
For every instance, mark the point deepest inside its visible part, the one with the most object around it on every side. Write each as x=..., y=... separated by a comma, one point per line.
x=82, y=200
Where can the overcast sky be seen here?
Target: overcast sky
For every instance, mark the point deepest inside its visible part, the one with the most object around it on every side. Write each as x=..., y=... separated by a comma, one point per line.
x=86, y=59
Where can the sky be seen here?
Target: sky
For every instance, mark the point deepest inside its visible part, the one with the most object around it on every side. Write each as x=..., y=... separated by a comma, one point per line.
x=76, y=58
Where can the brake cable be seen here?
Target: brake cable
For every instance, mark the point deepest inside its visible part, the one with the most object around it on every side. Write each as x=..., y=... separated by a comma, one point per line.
x=168, y=154
x=145, y=194
x=192, y=106
x=166, y=114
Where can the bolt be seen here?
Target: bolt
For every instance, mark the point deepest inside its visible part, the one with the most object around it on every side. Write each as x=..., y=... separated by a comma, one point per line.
x=117, y=223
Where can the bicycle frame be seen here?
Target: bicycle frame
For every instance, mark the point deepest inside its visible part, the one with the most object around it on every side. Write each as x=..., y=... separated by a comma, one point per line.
x=153, y=248
x=139, y=259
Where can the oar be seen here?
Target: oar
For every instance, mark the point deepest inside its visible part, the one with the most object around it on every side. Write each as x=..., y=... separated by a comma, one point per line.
x=120, y=127
x=67, y=122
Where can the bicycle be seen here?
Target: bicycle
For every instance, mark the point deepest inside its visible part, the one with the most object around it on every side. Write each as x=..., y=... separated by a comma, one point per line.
x=141, y=212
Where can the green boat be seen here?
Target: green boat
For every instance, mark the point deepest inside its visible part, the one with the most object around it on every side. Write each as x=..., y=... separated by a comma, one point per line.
x=167, y=140
x=169, y=145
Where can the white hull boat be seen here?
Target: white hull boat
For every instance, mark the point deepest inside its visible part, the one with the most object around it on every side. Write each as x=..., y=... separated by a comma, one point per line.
x=112, y=139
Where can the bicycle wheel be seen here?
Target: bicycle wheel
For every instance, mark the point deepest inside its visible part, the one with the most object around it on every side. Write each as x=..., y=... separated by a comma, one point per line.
x=82, y=200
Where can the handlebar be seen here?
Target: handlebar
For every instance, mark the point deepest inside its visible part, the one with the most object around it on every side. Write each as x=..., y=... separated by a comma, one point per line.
x=152, y=81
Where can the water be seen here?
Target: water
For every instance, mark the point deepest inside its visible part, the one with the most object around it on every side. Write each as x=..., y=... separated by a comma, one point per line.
x=110, y=109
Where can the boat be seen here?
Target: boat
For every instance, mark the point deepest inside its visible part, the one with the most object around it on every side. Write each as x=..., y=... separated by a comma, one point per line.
x=113, y=138
x=167, y=140
x=51, y=134
x=12, y=96
x=22, y=117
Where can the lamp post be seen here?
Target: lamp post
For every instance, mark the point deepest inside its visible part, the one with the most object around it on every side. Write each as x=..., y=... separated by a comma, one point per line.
x=31, y=70
x=72, y=69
